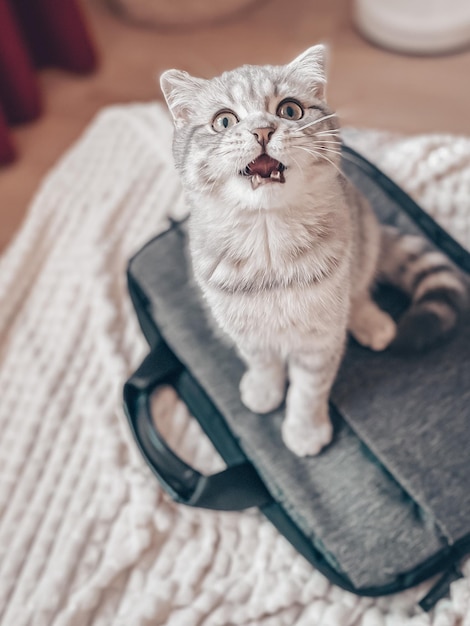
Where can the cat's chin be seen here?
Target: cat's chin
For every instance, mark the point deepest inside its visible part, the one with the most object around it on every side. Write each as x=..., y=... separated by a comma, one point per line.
x=238, y=192
x=267, y=196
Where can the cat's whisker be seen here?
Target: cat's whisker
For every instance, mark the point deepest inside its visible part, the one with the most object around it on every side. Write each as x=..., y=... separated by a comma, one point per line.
x=320, y=147
x=208, y=187
x=326, y=149
x=331, y=133
x=321, y=156
x=309, y=150
x=327, y=137
x=324, y=136
x=296, y=162
x=321, y=119
x=320, y=142
x=212, y=188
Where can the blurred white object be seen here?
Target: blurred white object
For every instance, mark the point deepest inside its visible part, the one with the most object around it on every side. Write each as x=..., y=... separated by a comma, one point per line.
x=177, y=13
x=416, y=26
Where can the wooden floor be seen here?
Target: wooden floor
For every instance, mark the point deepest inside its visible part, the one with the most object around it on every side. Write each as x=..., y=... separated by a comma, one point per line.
x=369, y=87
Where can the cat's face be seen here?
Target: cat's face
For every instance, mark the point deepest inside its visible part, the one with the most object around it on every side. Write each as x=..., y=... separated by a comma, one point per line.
x=255, y=136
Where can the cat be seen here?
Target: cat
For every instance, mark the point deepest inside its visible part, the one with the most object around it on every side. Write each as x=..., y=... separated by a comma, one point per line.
x=284, y=248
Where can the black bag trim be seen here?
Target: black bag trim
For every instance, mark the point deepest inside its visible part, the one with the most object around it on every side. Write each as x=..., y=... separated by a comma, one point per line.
x=186, y=485
x=425, y=222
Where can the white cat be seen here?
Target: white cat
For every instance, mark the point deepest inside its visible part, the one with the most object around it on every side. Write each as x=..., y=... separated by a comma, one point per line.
x=284, y=248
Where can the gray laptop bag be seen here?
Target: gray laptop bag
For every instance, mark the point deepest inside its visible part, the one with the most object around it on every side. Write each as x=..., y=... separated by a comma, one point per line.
x=387, y=504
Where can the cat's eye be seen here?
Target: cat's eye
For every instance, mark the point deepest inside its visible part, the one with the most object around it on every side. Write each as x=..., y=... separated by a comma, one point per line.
x=224, y=120
x=290, y=110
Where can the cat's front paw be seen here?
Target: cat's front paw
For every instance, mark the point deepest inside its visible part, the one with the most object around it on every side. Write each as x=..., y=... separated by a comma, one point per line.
x=262, y=392
x=306, y=439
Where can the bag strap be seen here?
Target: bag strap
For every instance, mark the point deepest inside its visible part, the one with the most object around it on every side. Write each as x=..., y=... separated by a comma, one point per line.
x=235, y=488
x=436, y=233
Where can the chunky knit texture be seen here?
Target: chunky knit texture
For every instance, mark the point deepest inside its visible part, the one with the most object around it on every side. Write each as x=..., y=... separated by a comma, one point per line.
x=86, y=534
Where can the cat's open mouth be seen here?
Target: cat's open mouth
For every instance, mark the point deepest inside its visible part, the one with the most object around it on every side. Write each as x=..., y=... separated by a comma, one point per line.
x=264, y=169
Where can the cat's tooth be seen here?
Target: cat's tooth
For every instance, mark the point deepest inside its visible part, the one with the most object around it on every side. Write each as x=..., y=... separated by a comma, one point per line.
x=275, y=175
x=256, y=181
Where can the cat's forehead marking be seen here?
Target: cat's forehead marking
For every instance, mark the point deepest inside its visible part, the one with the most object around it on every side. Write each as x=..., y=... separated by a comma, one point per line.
x=251, y=88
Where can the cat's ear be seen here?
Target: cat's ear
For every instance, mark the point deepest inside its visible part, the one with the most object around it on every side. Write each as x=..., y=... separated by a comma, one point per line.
x=311, y=67
x=179, y=89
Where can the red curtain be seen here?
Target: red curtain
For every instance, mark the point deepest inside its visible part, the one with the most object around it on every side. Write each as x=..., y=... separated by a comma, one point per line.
x=35, y=34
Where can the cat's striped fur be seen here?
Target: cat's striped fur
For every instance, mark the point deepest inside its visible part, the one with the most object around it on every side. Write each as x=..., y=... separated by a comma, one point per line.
x=287, y=265
x=437, y=289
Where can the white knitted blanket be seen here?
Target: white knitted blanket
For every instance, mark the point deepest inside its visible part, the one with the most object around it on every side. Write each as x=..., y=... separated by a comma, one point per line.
x=86, y=534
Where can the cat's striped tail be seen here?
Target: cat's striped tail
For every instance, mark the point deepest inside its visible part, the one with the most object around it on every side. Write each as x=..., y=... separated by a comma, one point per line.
x=439, y=292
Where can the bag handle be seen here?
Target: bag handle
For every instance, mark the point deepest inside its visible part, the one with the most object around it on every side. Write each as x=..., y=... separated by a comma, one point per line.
x=235, y=488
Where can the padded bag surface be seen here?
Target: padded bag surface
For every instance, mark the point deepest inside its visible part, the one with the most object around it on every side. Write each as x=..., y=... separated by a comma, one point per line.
x=387, y=504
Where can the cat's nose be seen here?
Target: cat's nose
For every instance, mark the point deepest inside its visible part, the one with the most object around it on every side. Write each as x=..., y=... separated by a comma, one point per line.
x=263, y=135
